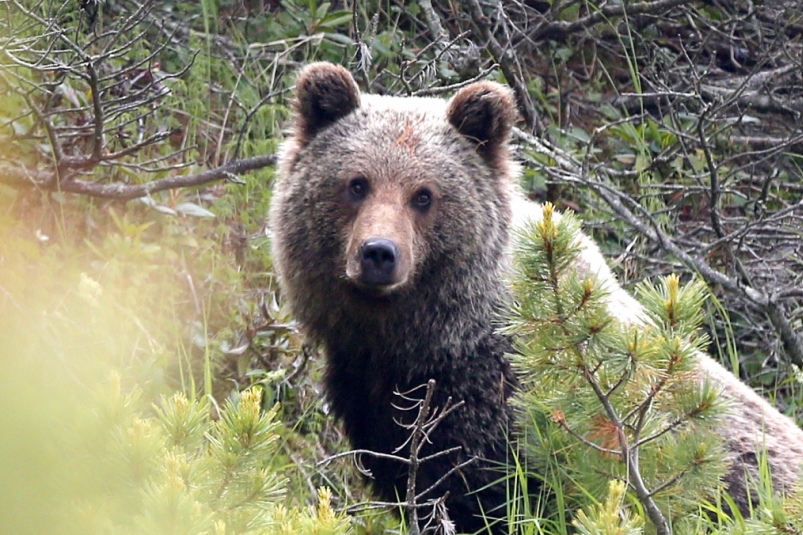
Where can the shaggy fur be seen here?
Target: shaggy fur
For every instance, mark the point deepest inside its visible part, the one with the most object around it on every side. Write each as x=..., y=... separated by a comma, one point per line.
x=433, y=179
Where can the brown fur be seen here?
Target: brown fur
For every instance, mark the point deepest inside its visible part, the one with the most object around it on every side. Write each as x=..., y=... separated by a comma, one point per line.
x=435, y=180
x=434, y=319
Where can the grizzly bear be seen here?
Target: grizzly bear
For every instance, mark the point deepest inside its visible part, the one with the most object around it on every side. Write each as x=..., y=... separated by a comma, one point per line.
x=391, y=225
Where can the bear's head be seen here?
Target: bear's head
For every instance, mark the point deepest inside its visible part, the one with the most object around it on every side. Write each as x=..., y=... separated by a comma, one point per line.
x=386, y=196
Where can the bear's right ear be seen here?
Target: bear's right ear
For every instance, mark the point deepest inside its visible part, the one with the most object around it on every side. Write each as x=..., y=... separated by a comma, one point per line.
x=324, y=93
x=484, y=113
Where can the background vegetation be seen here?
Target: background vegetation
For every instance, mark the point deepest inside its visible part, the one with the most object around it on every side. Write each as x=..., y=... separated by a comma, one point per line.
x=137, y=145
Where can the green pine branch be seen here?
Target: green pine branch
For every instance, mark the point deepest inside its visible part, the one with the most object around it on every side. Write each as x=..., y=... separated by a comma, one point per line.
x=178, y=472
x=606, y=401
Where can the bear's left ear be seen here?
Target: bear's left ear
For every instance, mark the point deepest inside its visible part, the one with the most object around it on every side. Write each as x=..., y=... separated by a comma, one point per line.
x=325, y=93
x=484, y=113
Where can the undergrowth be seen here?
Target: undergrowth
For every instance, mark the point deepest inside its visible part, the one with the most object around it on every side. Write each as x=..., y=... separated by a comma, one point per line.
x=112, y=312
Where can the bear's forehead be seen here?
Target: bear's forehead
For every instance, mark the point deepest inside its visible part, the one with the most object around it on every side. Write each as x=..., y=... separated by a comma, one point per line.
x=403, y=125
x=394, y=114
x=401, y=140
x=433, y=108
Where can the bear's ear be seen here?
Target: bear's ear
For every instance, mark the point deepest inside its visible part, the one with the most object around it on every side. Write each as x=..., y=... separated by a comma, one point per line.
x=484, y=113
x=324, y=94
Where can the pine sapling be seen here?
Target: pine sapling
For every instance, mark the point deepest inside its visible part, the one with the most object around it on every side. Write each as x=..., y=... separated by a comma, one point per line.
x=169, y=469
x=603, y=400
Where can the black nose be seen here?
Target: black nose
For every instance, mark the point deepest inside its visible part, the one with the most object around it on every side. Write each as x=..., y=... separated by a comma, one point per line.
x=378, y=258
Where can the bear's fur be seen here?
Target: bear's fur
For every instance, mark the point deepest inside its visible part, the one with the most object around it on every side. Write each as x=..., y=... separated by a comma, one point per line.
x=391, y=222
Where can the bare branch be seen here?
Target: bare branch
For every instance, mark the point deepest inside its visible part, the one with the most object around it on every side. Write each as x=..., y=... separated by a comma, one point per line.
x=119, y=191
x=559, y=30
x=502, y=58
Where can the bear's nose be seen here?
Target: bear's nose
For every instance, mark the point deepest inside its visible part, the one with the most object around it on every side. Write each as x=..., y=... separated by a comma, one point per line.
x=378, y=257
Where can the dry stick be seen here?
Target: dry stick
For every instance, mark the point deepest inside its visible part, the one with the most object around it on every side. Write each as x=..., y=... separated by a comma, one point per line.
x=355, y=453
x=713, y=168
x=98, y=119
x=426, y=421
x=715, y=191
x=124, y=192
x=439, y=35
x=421, y=429
x=441, y=51
x=430, y=91
x=362, y=56
x=173, y=26
x=560, y=30
x=791, y=342
x=88, y=69
x=415, y=446
x=250, y=116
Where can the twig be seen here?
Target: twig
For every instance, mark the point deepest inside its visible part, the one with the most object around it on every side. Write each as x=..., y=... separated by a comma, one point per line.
x=426, y=421
x=502, y=58
x=432, y=91
x=439, y=35
x=560, y=30
x=251, y=114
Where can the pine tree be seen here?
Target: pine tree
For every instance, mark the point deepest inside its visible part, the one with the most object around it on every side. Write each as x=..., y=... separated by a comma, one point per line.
x=177, y=472
x=604, y=401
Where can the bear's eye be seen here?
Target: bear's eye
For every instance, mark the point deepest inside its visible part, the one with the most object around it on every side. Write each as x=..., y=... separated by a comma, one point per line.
x=358, y=188
x=422, y=199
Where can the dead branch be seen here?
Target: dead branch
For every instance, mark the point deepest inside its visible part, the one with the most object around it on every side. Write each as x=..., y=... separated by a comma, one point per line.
x=428, y=418
x=103, y=112
x=502, y=56
x=559, y=30
x=569, y=170
x=48, y=181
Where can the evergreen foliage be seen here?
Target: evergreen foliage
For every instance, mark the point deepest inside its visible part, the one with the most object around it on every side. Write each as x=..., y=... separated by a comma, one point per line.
x=179, y=472
x=619, y=410
x=609, y=518
x=604, y=401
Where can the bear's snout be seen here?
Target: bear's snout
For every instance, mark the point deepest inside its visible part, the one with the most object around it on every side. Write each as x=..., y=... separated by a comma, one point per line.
x=380, y=244
x=378, y=259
